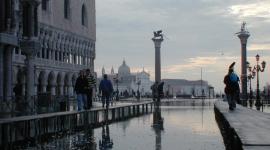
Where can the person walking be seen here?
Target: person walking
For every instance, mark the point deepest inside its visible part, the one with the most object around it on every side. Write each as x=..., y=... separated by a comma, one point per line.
x=106, y=89
x=91, y=84
x=80, y=89
x=232, y=89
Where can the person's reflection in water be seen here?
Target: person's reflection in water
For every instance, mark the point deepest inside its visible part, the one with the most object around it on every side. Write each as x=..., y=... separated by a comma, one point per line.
x=85, y=141
x=106, y=142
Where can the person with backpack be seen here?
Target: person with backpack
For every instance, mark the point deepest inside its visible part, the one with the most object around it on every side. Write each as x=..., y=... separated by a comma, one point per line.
x=106, y=88
x=232, y=89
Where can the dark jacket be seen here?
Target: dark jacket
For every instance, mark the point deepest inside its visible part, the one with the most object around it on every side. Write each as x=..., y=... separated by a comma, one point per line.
x=106, y=87
x=231, y=86
x=228, y=89
x=81, y=85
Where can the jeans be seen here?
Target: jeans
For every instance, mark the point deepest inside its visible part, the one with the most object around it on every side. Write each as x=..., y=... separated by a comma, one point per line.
x=81, y=100
x=105, y=98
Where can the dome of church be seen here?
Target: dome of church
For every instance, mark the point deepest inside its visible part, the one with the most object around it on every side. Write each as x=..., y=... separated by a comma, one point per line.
x=124, y=69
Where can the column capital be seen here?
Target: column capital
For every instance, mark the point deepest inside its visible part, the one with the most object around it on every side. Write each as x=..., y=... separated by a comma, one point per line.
x=157, y=41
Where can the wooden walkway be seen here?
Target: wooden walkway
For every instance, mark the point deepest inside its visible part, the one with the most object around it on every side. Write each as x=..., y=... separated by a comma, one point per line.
x=30, y=127
x=249, y=128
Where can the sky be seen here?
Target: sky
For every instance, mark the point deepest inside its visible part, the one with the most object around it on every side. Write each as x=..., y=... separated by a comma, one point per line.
x=198, y=34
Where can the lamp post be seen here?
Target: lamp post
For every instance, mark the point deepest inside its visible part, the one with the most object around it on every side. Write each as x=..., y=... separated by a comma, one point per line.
x=138, y=91
x=250, y=76
x=117, y=91
x=258, y=68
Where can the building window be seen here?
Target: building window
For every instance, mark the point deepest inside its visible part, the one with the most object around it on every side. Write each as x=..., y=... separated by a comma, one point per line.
x=84, y=15
x=67, y=9
x=44, y=4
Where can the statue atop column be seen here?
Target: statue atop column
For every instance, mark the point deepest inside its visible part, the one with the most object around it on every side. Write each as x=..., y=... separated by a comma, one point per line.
x=158, y=34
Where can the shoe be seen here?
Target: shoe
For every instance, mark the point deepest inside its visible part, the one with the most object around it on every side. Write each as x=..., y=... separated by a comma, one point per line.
x=231, y=108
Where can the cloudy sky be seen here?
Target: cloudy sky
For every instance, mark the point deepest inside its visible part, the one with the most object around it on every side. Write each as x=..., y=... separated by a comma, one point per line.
x=198, y=34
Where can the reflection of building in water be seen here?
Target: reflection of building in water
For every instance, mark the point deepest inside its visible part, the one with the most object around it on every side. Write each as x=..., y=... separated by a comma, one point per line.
x=130, y=82
x=182, y=88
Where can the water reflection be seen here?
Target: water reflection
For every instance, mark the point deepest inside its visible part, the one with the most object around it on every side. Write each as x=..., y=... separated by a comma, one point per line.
x=106, y=142
x=185, y=123
x=158, y=138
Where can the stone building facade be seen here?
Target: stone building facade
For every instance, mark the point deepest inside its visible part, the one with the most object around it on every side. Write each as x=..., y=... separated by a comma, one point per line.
x=187, y=88
x=127, y=81
x=44, y=44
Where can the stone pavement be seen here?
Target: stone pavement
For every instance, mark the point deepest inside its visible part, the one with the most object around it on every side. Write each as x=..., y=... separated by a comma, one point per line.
x=251, y=126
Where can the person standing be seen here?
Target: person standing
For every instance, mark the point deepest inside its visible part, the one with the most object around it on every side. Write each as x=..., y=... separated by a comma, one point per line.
x=106, y=88
x=232, y=89
x=91, y=84
x=80, y=89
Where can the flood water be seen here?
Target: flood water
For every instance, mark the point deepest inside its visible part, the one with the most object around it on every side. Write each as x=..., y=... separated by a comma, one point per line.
x=188, y=125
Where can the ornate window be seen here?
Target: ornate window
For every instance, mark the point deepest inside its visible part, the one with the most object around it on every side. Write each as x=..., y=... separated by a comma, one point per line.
x=84, y=15
x=67, y=9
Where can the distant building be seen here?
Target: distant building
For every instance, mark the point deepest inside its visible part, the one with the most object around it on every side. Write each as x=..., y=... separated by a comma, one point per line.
x=129, y=82
x=186, y=88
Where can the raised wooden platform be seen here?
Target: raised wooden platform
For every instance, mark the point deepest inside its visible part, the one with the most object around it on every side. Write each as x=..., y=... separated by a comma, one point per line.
x=251, y=127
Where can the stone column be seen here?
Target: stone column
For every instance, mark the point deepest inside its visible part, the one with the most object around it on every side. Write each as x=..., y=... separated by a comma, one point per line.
x=53, y=91
x=70, y=90
x=157, y=43
x=44, y=88
x=1, y=72
x=243, y=36
x=157, y=119
x=53, y=55
x=8, y=73
x=61, y=89
x=50, y=53
x=30, y=78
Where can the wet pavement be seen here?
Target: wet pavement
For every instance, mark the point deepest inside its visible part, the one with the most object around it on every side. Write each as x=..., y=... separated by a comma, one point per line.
x=188, y=125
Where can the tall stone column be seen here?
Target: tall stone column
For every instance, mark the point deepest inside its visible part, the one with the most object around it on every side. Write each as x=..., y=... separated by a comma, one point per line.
x=30, y=45
x=8, y=73
x=1, y=72
x=157, y=42
x=243, y=36
x=157, y=119
x=30, y=79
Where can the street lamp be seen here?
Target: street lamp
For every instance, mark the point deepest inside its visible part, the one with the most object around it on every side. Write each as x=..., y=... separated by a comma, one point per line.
x=258, y=68
x=117, y=91
x=138, y=91
x=250, y=76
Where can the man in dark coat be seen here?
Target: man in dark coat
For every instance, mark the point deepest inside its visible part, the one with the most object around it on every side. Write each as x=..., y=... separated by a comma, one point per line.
x=106, y=88
x=81, y=89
